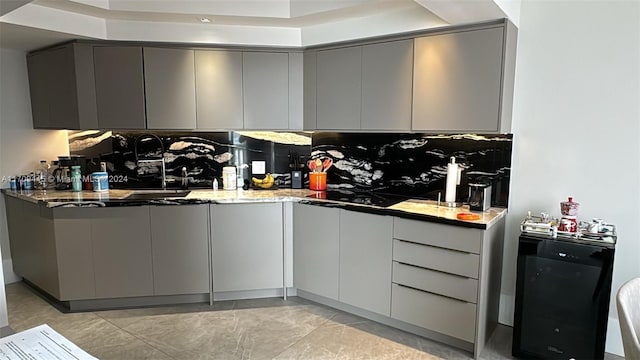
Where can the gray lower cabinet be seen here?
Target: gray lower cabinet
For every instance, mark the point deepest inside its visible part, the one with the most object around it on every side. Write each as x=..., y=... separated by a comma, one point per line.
x=365, y=261
x=265, y=86
x=119, y=87
x=32, y=244
x=453, y=272
x=74, y=250
x=180, y=249
x=339, y=88
x=219, y=89
x=458, y=81
x=316, y=250
x=121, y=239
x=247, y=246
x=62, y=87
x=170, y=88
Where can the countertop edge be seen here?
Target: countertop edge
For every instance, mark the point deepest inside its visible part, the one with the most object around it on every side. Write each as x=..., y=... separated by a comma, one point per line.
x=370, y=209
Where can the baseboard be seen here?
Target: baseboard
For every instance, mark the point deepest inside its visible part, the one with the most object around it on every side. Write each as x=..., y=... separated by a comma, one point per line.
x=9, y=275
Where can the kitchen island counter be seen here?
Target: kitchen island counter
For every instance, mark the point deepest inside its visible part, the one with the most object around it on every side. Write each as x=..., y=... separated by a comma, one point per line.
x=411, y=208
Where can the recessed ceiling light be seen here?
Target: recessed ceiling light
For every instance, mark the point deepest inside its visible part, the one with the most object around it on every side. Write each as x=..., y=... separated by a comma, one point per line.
x=205, y=20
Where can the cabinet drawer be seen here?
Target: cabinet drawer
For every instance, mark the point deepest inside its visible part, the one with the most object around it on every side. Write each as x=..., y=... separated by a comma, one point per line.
x=447, y=316
x=445, y=236
x=458, y=287
x=454, y=262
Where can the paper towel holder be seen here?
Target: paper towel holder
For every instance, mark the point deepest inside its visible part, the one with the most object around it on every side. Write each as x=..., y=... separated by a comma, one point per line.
x=454, y=173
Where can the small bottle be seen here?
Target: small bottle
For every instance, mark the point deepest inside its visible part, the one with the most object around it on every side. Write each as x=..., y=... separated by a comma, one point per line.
x=13, y=183
x=215, y=184
x=76, y=178
x=28, y=184
x=42, y=175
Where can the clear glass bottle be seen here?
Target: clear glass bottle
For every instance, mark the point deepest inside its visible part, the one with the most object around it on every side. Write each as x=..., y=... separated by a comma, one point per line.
x=42, y=175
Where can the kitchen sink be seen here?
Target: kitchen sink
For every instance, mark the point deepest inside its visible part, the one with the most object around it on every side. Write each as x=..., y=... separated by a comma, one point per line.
x=157, y=194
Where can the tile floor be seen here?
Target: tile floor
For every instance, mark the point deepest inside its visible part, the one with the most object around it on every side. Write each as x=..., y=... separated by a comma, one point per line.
x=247, y=329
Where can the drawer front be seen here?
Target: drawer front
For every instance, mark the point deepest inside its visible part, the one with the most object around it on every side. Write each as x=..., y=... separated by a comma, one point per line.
x=458, y=287
x=437, y=313
x=453, y=262
x=440, y=235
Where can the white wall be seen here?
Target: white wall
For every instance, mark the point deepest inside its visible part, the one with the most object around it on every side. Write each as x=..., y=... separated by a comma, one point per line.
x=21, y=147
x=576, y=127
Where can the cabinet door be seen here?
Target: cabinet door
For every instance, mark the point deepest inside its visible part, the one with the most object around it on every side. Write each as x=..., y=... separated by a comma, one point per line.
x=39, y=89
x=265, y=84
x=247, y=257
x=457, y=81
x=316, y=237
x=41, y=266
x=62, y=87
x=309, y=69
x=122, y=252
x=387, y=85
x=17, y=228
x=219, y=89
x=365, y=261
x=74, y=253
x=119, y=87
x=339, y=88
x=180, y=248
x=170, y=87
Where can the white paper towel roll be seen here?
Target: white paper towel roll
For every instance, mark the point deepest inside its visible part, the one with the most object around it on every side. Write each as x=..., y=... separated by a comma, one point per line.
x=452, y=181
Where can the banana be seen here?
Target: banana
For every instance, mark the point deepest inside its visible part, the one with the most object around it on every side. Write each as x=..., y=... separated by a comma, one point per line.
x=265, y=183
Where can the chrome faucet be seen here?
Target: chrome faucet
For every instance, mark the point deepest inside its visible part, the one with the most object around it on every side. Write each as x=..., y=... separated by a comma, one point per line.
x=152, y=159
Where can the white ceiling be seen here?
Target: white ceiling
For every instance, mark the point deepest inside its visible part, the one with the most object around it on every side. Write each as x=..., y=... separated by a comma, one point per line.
x=28, y=25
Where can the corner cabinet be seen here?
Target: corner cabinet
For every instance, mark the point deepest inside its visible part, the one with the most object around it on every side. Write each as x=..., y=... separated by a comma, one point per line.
x=170, y=88
x=62, y=87
x=459, y=82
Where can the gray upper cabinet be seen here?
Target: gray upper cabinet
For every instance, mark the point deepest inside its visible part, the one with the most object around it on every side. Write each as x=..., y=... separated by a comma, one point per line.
x=387, y=78
x=338, y=88
x=457, y=81
x=361, y=88
x=170, y=87
x=309, y=89
x=62, y=87
x=219, y=89
x=265, y=86
x=119, y=87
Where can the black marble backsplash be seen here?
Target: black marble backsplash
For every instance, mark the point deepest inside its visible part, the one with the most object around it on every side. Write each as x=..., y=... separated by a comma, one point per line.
x=204, y=154
x=415, y=164
x=406, y=164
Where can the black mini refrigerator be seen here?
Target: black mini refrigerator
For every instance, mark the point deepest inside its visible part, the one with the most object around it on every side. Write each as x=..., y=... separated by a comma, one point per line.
x=562, y=297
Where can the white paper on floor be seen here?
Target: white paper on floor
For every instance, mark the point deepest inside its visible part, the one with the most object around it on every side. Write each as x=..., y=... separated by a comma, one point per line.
x=42, y=343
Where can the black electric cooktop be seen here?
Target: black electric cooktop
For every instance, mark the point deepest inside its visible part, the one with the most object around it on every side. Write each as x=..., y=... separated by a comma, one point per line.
x=362, y=197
